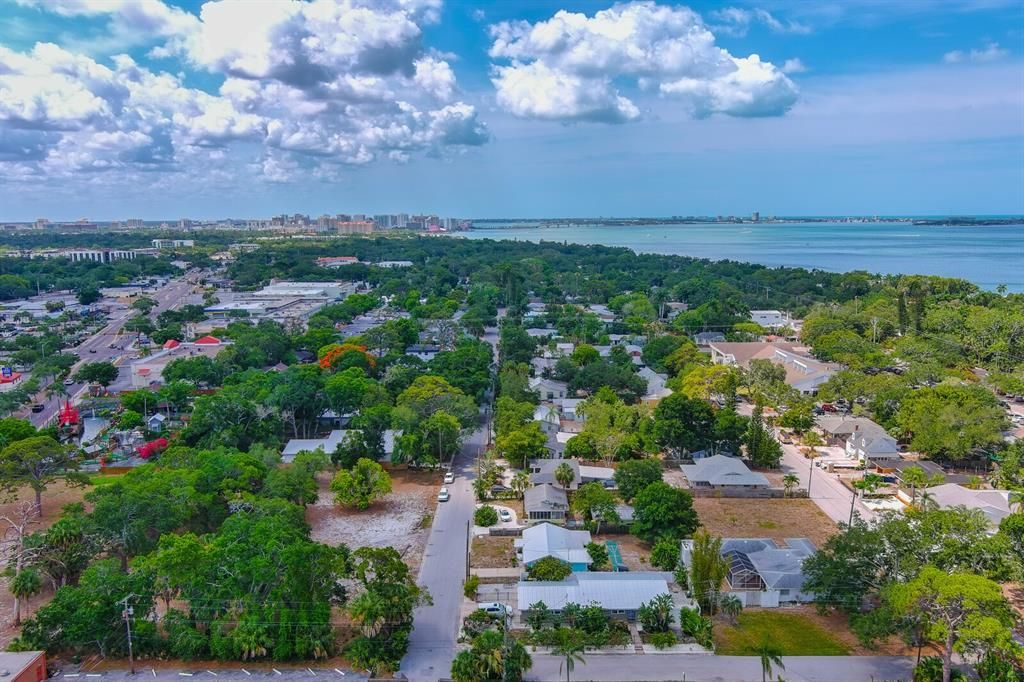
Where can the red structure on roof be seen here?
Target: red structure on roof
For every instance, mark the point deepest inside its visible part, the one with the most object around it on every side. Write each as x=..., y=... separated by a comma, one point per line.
x=171, y=343
x=68, y=415
x=14, y=378
x=207, y=341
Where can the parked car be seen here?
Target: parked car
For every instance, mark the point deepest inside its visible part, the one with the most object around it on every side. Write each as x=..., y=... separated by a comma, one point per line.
x=443, y=496
x=38, y=407
x=505, y=515
x=449, y=477
x=493, y=608
x=69, y=382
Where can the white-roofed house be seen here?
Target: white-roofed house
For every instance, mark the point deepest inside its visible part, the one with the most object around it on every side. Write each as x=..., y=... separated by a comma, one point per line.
x=619, y=595
x=722, y=473
x=547, y=539
x=326, y=445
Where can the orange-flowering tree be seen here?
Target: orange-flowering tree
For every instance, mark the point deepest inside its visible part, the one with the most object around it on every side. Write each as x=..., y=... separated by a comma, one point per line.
x=341, y=356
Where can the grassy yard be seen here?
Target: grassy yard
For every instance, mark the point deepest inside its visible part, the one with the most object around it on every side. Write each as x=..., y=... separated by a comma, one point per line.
x=758, y=518
x=794, y=633
x=105, y=479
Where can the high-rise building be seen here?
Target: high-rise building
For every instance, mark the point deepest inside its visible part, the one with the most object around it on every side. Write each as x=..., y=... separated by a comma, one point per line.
x=184, y=224
x=402, y=220
x=42, y=223
x=755, y=216
x=325, y=223
x=135, y=223
x=355, y=227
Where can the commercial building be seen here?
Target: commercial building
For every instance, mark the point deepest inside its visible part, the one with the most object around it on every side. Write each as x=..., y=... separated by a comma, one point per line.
x=289, y=303
x=23, y=666
x=95, y=255
x=173, y=243
x=149, y=371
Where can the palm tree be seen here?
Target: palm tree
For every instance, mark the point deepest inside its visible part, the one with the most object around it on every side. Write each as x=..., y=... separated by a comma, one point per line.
x=771, y=656
x=868, y=484
x=520, y=483
x=570, y=646
x=565, y=475
x=916, y=478
x=790, y=481
x=731, y=606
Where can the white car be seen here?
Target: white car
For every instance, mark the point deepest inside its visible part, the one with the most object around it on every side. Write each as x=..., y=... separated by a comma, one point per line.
x=505, y=515
x=69, y=382
x=442, y=495
x=449, y=477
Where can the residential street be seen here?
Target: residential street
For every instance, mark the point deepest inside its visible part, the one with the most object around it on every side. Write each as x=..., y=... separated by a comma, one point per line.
x=432, y=643
x=689, y=668
x=829, y=494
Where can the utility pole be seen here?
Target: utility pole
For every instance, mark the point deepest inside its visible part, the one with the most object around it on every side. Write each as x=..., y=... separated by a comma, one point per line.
x=127, y=614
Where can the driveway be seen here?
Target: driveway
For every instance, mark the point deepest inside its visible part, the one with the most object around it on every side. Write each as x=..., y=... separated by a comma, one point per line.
x=432, y=642
x=826, y=489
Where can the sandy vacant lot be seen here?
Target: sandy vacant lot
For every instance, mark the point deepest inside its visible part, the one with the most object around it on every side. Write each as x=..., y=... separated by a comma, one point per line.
x=765, y=518
x=400, y=520
x=493, y=552
x=54, y=499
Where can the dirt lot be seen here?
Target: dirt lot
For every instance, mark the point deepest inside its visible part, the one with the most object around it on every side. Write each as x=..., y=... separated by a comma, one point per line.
x=493, y=552
x=399, y=520
x=636, y=553
x=764, y=518
x=54, y=499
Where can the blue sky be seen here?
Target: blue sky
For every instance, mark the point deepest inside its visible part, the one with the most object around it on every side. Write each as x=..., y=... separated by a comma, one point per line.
x=150, y=108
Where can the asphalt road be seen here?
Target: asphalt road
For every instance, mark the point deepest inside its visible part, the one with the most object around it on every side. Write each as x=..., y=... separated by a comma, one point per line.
x=691, y=668
x=432, y=642
x=97, y=348
x=826, y=490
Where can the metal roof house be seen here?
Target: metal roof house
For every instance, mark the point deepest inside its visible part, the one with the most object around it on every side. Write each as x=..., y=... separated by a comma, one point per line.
x=721, y=472
x=546, y=539
x=619, y=594
x=994, y=504
x=761, y=573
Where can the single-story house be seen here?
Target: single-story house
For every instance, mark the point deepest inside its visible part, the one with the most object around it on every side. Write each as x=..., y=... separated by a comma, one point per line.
x=568, y=407
x=155, y=422
x=543, y=471
x=540, y=332
x=425, y=352
x=761, y=573
x=327, y=445
x=721, y=472
x=994, y=504
x=803, y=372
x=549, y=389
x=656, y=388
x=545, y=502
x=547, y=539
x=620, y=595
x=707, y=338
x=862, y=438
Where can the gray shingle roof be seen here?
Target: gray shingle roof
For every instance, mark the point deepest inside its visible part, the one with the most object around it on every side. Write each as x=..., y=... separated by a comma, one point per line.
x=722, y=470
x=545, y=497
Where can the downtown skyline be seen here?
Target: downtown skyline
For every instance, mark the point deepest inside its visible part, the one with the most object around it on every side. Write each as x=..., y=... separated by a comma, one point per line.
x=155, y=109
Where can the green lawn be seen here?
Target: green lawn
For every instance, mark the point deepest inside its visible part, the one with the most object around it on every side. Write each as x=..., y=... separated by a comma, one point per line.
x=105, y=479
x=793, y=633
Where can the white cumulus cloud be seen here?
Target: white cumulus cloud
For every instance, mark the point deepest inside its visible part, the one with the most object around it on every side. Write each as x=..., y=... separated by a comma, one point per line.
x=317, y=84
x=575, y=67
x=992, y=52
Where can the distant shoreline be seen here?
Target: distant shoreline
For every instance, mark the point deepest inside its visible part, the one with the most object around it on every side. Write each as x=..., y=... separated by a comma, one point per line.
x=488, y=225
